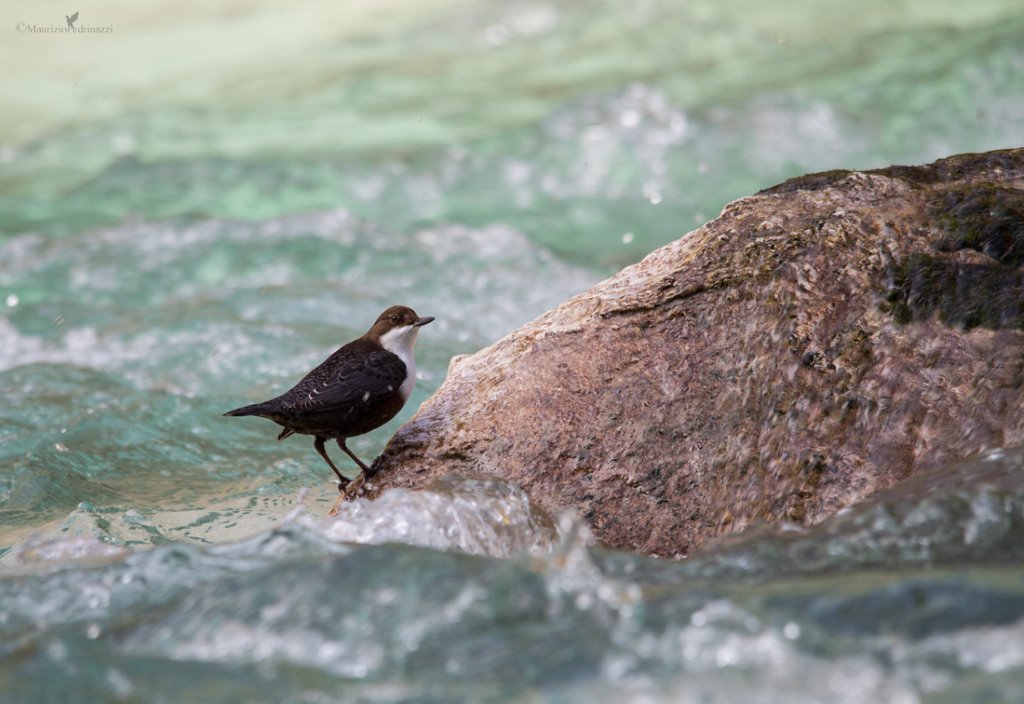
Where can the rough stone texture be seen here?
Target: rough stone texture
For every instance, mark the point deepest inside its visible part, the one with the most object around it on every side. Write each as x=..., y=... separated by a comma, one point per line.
x=817, y=342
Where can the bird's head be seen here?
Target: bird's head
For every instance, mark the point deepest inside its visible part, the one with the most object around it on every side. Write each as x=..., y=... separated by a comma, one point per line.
x=397, y=327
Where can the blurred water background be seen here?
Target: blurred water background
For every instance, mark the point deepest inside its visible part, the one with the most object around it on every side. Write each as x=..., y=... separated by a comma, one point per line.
x=200, y=204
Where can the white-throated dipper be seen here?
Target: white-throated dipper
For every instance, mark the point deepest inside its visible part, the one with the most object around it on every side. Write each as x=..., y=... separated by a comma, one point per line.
x=355, y=390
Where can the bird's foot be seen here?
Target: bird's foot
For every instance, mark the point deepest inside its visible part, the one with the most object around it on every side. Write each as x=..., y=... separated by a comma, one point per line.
x=347, y=492
x=342, y=496
x=355, y=486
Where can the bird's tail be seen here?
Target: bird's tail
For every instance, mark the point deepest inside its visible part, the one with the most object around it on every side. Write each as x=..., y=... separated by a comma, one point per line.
x=256, y=409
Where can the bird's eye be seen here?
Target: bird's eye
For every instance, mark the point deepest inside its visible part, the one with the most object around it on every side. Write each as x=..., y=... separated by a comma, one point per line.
x=394, y=318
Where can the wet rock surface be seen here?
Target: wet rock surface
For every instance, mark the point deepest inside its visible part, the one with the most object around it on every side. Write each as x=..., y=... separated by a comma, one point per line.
x=817, y=342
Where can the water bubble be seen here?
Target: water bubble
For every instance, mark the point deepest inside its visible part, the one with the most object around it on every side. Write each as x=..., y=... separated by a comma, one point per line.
x=121, y=685
x=122, y=144
x=629, y=119
x=57, y=651
x=496, y=35
x=11, y=300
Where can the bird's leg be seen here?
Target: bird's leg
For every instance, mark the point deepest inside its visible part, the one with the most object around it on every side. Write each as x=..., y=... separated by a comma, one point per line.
x=352, y=488
x=341, y=444
x=358, y=481
x=319, y=445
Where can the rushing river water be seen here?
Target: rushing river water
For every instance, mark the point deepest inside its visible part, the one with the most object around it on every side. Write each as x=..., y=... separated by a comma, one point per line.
x=201, y=204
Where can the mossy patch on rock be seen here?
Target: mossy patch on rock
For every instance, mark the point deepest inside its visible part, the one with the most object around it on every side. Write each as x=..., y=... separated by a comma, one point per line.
x=985, y=217
x=962, y=167
x=807, y=182
x=961, y=294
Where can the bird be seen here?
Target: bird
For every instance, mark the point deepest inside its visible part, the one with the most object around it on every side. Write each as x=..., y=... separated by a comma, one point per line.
x=71, y=19
x=359, y=388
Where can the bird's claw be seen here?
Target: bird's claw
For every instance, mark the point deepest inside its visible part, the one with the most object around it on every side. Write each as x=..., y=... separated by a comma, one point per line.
x=348, y=491
x=354, y=486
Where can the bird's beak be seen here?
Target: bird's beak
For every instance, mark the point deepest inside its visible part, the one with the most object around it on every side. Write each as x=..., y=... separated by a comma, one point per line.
x=423, y=321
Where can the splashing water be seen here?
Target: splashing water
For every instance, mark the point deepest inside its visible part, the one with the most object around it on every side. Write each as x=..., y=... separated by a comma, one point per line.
x=312, y=606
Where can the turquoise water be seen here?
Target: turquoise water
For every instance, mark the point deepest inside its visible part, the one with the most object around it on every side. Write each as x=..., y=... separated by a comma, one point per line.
x=199, y=207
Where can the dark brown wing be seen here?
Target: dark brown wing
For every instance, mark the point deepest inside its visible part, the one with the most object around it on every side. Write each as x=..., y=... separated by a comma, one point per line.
x=353, y=390
x=348, y=379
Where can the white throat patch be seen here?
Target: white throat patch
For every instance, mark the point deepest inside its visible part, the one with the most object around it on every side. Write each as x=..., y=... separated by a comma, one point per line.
x=400, y=342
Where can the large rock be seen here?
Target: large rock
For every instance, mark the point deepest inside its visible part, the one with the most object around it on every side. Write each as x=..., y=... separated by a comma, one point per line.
x=819, y=341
